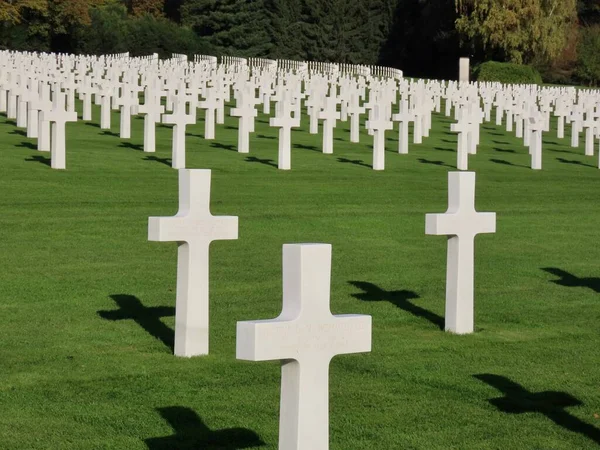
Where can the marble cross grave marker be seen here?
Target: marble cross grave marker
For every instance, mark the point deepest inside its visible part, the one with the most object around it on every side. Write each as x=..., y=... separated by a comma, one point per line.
x=462, y=157
x=152, y=110
x=404, y=117
x=329, y=115
x=379, y=124
x=285, y=122
x=180, y=119
x=193, y=228
x=461, y=223
x=305, y=337
x=246, y=112
x=58, y=116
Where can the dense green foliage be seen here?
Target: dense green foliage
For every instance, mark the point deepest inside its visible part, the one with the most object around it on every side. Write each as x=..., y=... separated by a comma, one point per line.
x=424, y=38
x=588, y=67
x=507, y=73
x=75, y=259
x=112, y=31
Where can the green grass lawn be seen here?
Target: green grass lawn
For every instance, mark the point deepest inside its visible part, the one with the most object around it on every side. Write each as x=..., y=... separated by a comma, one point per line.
x=74, y=249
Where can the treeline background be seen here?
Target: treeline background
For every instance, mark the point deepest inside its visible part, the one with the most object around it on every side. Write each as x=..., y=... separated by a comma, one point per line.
x=425, y=38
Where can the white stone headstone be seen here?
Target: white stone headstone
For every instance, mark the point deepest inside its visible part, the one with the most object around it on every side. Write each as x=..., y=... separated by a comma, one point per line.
x=461, y=223
x=305, y=337
x=180, y=119
x=193, y=228
x=58, y=116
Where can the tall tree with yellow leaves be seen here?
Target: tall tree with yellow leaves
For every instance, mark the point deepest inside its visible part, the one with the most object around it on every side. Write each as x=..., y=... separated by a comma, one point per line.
x=523, y=30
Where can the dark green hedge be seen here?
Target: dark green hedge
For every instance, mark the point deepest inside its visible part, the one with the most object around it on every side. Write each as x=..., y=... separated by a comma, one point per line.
x=507, y=73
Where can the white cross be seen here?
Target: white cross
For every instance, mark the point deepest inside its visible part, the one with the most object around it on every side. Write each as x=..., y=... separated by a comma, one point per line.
x=305, y=337
x=44, y=104
x=152, y=109
x=193, y=228
x=246, y=112
x=462, y=128
x=285, y=122
x=461, y=223
x=404, y=117
x=58, y=116
x=33, y=113
x=474, y=119
x=330, y=115
x=576, y=119
x=589, y=124
x=106, y=96
x=210, y=105
x=536, y=127
x=127, y=101
x=355, y=110
x=313, y=104
x=86, y=90
x=180, y=119
x=22, y=91
x=379, y=124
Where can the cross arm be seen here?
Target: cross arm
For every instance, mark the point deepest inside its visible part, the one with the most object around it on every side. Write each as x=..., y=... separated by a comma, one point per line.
x=276, y=339
x=453, y=224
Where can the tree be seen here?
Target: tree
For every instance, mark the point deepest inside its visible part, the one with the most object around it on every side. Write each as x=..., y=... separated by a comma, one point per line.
x=234, y=27
x=155, y=8
x=522, y=31
x=107, y=32
x=588, y=65
x=11, y=11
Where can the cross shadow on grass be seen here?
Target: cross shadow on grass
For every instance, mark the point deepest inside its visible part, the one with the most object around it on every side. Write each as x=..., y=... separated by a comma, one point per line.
x=92, y=124
x=131, y=308
x=547, y=149
x=139, y=147
x=109, y=133
x=569, y=280
x=502, y=150
x=434, y=163
x=401, y=299
x=165, y=161
x=507, y=163
x=190, y=432
x=19, y=132
x=575, y=162
x=29, y=145
x=264, y=136
x=229, y=147
x=444, y=149
x=266, y=162
x=552, y=404
x=356, y=162
x=313, y=148
x=40, y=159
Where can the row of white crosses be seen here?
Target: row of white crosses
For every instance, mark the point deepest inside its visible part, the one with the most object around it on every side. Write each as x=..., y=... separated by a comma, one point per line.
x=305, y=336
x=329, y=97
x=117, y=82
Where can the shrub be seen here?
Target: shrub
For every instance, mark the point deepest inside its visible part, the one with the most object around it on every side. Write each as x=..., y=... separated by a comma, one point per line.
x=507, y=73
x=588, y=61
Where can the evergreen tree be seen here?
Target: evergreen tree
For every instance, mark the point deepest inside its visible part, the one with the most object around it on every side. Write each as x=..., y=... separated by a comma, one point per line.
x=231, y=27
